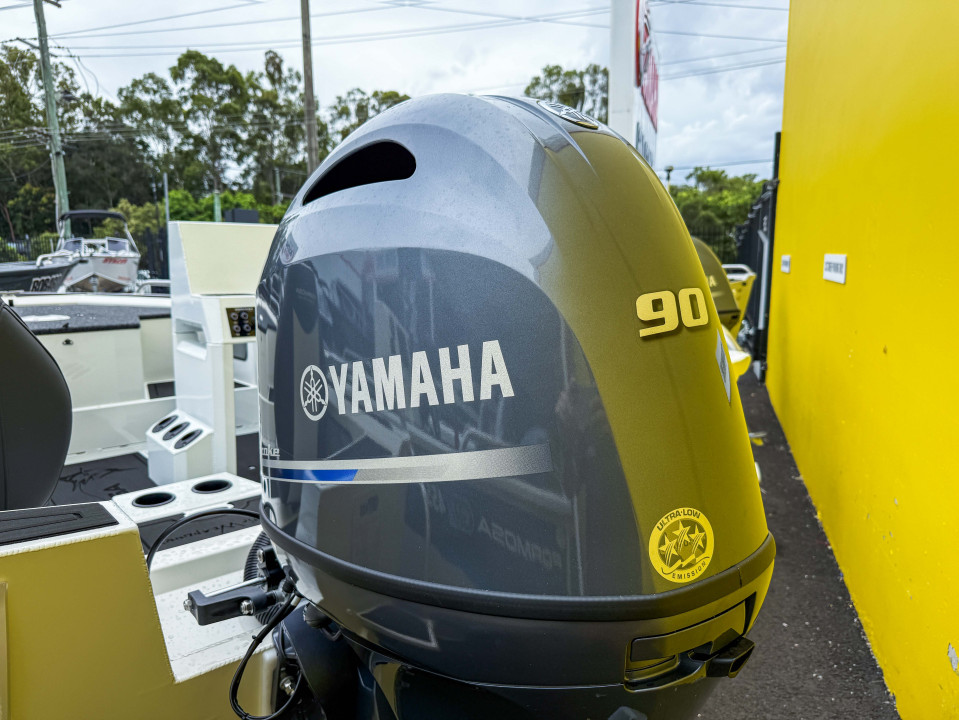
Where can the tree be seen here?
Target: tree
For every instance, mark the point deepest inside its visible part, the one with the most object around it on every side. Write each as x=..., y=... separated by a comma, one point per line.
x=23, y=157
x=586, y=90
x=214, y=99
x=714, y=203
x=211, y=127
x=356, y=107
x=149, y=109
x=275, y=133
x=104, y=163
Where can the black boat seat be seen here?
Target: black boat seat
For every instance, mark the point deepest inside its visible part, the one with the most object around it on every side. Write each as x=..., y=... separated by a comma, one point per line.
x=35, y=416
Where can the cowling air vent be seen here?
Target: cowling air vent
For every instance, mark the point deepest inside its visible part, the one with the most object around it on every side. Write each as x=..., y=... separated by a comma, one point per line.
x=375, y=163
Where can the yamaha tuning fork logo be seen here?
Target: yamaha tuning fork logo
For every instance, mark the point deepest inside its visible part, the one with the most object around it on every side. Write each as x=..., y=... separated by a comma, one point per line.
x=314, y=396
x=569, y=114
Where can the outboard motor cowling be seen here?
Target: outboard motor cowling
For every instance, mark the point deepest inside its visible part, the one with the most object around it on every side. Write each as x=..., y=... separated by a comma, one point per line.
x=500, y=444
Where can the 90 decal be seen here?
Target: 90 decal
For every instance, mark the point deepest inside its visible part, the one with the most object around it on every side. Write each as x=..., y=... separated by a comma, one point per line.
x=662, y=308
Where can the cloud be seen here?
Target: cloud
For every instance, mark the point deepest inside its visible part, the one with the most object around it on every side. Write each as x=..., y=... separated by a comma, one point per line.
x=706, y=119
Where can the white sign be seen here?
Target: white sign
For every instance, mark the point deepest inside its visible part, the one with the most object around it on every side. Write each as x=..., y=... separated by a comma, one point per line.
x=834, y=268
x=784, y=263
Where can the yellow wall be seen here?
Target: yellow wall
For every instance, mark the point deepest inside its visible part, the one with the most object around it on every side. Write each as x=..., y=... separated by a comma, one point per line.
x=865, y=376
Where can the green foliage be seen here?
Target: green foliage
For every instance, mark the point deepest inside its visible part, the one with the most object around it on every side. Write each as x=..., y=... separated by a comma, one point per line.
x=205, y=123
x=586, y=90
x=141, y=219
x=356, y=107
x=714, y=199
x=713, y=204
x=183, y=206
x=32, y=209
x=102, y=163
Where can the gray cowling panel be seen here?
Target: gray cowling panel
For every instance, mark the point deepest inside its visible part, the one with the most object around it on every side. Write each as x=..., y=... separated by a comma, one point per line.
x=35, y=416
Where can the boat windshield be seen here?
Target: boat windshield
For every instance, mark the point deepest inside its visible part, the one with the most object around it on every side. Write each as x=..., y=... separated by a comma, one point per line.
x=118, y=245
x=72, y=245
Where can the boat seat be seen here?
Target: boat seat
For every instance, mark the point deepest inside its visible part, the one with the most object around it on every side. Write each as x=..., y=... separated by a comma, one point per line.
x=35, y=416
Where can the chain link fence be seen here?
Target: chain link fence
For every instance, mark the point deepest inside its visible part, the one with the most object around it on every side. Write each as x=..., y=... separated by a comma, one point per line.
x=722, y=241
x=27, y=248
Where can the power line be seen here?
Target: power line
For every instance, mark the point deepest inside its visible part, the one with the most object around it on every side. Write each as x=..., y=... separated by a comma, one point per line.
x=722, y=55
x=727, y=68
x=719, y=37
x=667, y=3
x=560, y=18
x=501, y=20
x=722, y=164
x=150, y=20
x=343, y=39
x=219, y=26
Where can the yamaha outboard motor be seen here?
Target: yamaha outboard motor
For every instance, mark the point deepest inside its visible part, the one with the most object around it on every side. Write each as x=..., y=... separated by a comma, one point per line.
x=500, y=446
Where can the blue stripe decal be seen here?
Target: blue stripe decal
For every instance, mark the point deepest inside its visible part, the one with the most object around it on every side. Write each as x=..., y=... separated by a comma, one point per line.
x=311, y=475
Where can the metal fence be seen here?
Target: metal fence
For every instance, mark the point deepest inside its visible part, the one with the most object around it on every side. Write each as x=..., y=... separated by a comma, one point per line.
x=721, y=240
x=153, y=248
x=755, y=247
x=27, y=248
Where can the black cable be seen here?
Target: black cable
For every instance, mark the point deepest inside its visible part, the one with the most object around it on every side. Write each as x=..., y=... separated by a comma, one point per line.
x=190, y=518
x=285, y=610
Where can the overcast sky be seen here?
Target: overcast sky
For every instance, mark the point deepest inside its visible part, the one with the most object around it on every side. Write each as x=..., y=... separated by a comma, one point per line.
x=426, y=46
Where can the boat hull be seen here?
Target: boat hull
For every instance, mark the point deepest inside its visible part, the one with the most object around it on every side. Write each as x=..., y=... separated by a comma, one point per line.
x=103, y=273
x=29, y=277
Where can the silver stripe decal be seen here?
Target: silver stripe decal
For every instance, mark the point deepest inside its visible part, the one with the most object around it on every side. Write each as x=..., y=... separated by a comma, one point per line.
x=471, y=465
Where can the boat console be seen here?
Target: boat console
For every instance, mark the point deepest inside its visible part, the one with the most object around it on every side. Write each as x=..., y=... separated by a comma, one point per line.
x=214, y=270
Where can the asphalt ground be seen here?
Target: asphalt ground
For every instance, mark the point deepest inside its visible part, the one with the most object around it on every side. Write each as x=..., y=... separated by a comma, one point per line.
x=812, y=659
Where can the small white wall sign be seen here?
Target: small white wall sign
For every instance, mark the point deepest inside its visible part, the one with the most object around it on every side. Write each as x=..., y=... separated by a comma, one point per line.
x=834, y=268
x=784, y=263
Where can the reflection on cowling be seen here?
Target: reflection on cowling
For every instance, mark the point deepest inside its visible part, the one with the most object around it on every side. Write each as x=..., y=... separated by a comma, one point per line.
x=433, y=417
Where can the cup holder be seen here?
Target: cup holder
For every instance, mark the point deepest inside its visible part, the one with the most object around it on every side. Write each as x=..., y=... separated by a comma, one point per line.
x=207, y=487
x=153, y=499
x=187, y=439
x=164, y=423
x=175, y=430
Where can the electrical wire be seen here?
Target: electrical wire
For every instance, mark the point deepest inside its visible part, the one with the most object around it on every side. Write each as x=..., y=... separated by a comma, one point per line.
x=565, y=17
x=285, y=610
x=719, y=165
x=686, y=33
x=161, y=538
x=77, y=35
x=667, y=3
x=150, y=20
x=280, y=43
x=776, y=46
x=711, y=71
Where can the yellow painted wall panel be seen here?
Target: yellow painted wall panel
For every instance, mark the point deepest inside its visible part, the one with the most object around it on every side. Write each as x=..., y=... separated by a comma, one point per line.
x=865, y=376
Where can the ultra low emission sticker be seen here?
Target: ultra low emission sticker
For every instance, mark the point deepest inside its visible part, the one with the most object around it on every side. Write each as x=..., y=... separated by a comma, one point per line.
x=681, y=545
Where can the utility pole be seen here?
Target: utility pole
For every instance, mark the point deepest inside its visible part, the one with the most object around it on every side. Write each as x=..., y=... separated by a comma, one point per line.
x=164, y=265
x=277, y=193
x=312, y=147
x=166, y=202
x=56, y=149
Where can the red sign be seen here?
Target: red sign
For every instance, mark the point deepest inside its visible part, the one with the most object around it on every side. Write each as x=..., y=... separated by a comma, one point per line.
x=647, y=74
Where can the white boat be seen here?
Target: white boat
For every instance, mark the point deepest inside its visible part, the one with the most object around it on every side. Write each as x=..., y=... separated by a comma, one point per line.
x=104, y=264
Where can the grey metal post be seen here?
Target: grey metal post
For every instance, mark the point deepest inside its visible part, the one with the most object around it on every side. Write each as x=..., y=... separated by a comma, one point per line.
x=312, y=147
x=56, y=149
x=166, y=201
